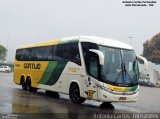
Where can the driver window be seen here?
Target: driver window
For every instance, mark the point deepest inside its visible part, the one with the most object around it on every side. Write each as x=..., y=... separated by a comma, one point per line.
x=93, y=65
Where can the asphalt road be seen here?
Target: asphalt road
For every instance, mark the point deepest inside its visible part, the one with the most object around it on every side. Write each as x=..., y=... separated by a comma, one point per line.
x=14, y=100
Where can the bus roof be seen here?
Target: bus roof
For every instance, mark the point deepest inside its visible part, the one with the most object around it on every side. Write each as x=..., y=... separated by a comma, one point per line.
x=101, y=41
x=93, y=39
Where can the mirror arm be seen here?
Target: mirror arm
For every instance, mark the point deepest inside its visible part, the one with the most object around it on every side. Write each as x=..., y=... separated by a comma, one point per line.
x=144, y=60
x=100, y=55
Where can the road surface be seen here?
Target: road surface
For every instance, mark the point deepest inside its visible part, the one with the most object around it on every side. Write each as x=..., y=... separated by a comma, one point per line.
x=23, y=104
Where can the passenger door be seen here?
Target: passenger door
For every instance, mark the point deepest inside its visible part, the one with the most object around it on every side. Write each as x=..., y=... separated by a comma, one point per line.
x=93, y=74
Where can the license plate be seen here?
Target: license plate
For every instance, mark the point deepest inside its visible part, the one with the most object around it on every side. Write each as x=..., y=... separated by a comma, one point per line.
x=122, y=98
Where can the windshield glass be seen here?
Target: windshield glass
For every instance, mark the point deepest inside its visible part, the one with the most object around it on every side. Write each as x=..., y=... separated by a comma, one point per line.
x=120, y=66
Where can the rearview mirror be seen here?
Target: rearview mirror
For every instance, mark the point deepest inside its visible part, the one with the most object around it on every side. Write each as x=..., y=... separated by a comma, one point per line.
x=100, y=55
x=144, y=60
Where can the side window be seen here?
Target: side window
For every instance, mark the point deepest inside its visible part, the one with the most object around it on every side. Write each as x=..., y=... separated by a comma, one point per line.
x=54, y=56
x=47, y=53
x=25, y=54
x=29, y=54
x=39, y=53
x=85, y=47
x=17, y=54
x=93, y=65
x=34, y=54
x=69, y=52
x=73, y=53
x=59, y=52
x=21, y=54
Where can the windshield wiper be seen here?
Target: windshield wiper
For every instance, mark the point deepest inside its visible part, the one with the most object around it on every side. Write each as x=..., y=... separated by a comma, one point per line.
x=125, y=73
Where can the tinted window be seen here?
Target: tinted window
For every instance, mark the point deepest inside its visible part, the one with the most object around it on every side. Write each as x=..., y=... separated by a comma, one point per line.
x=35, y=54
x=73, y=52
x=69, y=52
x=85, y=47
x=93, y=65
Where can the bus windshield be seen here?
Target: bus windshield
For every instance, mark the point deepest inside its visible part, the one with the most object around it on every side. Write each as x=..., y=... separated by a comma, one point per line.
x=120, y=66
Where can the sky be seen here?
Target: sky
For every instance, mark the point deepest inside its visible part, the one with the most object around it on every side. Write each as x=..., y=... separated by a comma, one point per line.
x=24, y=22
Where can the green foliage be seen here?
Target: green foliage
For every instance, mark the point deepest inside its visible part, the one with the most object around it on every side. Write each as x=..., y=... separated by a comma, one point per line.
x=151, y=49
x=3, y=52
x=2, y=49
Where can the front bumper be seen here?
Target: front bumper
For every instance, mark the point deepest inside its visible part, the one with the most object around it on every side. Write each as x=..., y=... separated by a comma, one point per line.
x=105, y=96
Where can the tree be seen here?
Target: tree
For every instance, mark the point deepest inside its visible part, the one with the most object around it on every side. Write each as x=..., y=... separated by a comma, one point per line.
x=3, y=52
x=151, y=49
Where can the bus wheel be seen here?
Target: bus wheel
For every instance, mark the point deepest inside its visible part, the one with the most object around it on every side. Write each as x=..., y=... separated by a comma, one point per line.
x=23, y=83
x=23, y=86
x=107, y=105
x=75, y=95
x=28, y=85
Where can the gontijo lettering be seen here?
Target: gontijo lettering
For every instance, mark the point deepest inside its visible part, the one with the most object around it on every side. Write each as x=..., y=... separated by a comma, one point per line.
x=32, y=66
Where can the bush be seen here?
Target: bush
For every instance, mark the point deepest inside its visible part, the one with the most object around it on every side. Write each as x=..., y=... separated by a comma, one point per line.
x=151, y=49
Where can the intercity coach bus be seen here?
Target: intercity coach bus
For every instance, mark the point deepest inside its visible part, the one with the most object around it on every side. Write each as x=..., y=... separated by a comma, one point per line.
x=85, y=67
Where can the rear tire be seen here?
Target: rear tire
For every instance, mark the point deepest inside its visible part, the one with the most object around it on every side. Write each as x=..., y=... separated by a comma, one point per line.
x=74, y=94
x=23, y=83
x=28, y=85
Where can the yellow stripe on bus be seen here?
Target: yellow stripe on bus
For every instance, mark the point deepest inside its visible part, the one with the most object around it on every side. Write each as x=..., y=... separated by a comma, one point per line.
x=115, y=88
x=46, y=43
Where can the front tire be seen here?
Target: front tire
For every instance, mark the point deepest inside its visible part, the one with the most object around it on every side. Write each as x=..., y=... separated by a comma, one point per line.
x=75, y=95
x=106, y=105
